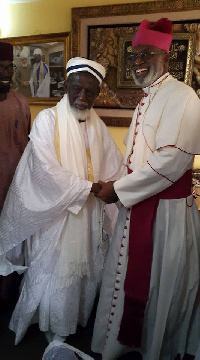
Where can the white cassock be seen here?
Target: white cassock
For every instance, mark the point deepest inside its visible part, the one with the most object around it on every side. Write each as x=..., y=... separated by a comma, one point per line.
x=51, y=206
x=168, y=134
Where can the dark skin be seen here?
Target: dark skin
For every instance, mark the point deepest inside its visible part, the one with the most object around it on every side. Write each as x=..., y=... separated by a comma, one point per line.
x=5, y=79
x=107, y=194
x=37, y=58
x=82, y=89
x=141, y=69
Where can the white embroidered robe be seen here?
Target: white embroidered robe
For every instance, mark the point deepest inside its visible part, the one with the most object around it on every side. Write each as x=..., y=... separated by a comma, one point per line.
x=42, y=196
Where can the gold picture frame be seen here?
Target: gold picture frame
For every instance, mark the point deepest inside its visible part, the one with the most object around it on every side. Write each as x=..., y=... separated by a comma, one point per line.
x=84, y=18
x=181, y=59
x=55, y=50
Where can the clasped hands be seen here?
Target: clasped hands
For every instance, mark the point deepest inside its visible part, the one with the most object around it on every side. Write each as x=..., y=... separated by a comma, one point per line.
x=105, y=191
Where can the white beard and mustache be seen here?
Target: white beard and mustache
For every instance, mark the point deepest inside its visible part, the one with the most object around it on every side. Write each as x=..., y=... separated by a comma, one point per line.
x=155, y=72
x=80, y=114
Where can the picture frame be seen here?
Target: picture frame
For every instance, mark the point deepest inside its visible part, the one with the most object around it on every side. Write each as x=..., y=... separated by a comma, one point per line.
x=54, y=52
x=129, y=16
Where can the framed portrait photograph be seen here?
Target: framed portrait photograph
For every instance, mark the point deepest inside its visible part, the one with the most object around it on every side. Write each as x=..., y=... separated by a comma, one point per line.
x=104, y=34
x=40, y=66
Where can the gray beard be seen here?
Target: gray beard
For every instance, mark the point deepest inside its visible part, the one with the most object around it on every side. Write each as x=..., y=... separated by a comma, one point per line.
x=154, y=74
x=24, y=65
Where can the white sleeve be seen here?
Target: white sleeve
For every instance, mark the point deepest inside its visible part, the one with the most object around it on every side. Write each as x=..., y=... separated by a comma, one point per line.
x=164, y=167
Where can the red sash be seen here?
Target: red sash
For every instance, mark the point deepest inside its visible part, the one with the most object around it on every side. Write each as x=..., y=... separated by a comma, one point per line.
x=138, y=273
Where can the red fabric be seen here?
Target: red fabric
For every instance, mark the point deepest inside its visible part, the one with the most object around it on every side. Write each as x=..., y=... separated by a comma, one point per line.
x=138, y=273
x=158, y=34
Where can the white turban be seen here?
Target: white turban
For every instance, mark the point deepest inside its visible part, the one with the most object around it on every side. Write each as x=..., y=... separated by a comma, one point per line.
x=81, y=64
x=37, y=52
x=25, y=52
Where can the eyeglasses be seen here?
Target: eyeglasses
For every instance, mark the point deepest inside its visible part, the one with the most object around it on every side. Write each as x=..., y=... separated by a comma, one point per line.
x=144, y=55
x=9, y=68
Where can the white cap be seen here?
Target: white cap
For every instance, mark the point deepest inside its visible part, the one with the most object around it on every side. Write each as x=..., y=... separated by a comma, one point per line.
x=81, y=64
x=37, y=52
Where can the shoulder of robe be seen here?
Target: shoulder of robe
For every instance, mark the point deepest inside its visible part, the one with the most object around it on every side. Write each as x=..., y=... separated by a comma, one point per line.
x=43, y=125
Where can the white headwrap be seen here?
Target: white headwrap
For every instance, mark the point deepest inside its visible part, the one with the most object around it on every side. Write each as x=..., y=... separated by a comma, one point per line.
x=37, y=52
x=81, y=64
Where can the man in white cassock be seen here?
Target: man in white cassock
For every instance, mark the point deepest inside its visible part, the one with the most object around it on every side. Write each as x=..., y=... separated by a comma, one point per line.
x=149, y=299
x=51, y=204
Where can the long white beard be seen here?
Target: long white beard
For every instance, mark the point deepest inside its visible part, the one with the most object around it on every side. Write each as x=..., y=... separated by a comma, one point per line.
x=79, y=114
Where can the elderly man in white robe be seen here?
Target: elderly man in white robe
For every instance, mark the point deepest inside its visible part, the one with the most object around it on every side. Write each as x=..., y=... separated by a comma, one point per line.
x=51, y=204
x=40, y=76
x=149, y=298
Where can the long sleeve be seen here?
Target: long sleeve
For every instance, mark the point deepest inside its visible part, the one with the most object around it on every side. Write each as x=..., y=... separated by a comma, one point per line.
x=164, y=167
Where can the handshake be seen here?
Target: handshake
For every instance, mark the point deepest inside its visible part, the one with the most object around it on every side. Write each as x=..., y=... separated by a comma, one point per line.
x=105, y=191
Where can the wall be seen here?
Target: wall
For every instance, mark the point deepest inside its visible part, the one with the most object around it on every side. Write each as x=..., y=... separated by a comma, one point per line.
x=49, y=16
x=43, y=17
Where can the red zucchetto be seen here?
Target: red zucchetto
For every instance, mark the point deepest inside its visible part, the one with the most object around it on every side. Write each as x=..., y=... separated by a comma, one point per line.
x=6, y=51
x=158, y=34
